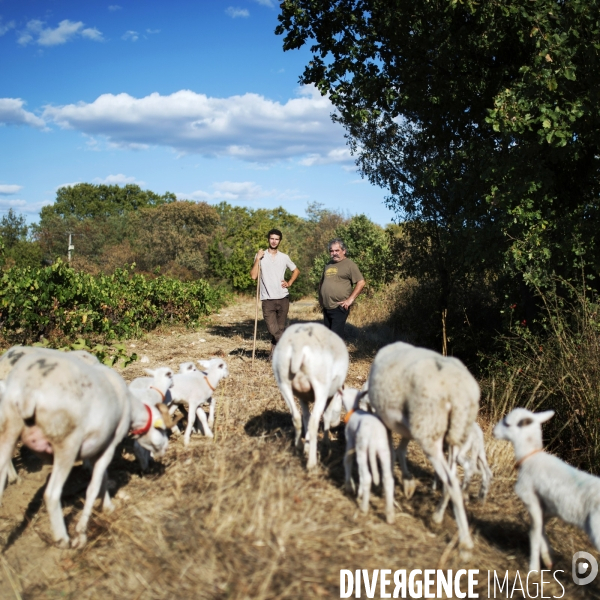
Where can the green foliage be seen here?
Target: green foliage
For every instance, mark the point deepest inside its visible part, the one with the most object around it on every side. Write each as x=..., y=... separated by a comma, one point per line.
x=244, y=232
x=480, y=118
x=60, y=303
x=369, y=246
x=85, y=200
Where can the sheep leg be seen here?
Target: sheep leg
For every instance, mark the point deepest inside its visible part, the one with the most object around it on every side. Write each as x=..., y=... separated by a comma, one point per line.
x=288, y=396
x=438, y=515
x=331, y=417
x=65, y=455
x=12, y=473
x=364, y=478
x=175, y=429
x=320, y=394
x=486, y=476
x=349, y=462
x=435, y=452
x=142, y=455
x=190, y=423
x=12, y=425
x=538, y=543
x=202, y=416
x=409, y=484
x=387, y=477
x=93, y=491
x=211, y=413
x=107, y=504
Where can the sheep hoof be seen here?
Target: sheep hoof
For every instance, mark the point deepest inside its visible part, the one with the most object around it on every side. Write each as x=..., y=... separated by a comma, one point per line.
x=63, y=543
x=350, y=487
x=464, y=552
x=410, y=486
x=80, y=541
x=390, y=518
x=437, y=517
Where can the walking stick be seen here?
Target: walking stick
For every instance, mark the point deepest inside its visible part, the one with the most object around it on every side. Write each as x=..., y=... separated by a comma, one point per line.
x=256, y=313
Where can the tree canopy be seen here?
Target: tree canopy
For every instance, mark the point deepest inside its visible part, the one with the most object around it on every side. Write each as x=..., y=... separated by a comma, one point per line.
x=481, y=118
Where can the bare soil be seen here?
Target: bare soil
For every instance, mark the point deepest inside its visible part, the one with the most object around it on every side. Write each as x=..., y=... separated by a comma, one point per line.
x=239, y=517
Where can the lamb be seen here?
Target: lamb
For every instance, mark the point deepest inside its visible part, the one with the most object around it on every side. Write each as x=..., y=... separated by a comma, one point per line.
x=368, y=438
x=153, y=390
x=195, y=389
x=432, y=399
x=63, y=407
x=311, y=362
x=547, y=485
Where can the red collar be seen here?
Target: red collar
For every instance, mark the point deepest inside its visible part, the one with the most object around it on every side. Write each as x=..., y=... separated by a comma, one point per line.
x=520, y=462
x=162, y=396
x=347, y=417
x=209, y=383
x=146, y=427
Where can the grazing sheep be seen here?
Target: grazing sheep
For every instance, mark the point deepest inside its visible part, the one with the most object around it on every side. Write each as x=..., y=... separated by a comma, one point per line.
x=548, y=486
x=368, y=438
x=311, y=362
x=195, y=389
x=432, y=399
x=63, y=407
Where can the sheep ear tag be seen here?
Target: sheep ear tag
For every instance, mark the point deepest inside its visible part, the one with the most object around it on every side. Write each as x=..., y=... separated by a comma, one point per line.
x=159, y=424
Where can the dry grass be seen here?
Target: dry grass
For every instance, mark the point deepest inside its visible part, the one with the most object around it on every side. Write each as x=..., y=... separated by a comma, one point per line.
x=240, y=517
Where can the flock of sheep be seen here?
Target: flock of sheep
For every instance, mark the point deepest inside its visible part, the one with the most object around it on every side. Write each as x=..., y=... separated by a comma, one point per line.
x=71, y=407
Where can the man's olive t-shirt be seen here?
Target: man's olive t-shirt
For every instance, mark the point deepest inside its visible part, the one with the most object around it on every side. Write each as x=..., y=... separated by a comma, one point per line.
x=338, y=282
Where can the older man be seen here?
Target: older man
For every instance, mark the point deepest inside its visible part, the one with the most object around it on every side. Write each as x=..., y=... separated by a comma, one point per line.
x=273, y=286
x=340, y=284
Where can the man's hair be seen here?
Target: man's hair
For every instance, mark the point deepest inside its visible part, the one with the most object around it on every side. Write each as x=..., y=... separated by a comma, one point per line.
x=275, y=232
x=337, y=241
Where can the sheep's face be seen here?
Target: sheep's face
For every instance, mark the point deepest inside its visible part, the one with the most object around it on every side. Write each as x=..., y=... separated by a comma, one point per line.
x=187, y=367
x=216, y=365
x=521, y=426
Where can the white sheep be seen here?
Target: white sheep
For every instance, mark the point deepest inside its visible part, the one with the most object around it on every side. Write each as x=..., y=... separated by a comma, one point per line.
x=368, y=438
x=194, y=389
x=63, y=407
x=311, y=362
x=547, y=485
x=434, y=400
x=153, y=390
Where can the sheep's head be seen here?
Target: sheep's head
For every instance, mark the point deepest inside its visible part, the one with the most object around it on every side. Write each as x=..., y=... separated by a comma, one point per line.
x=523, y=428
x=215, y=366
x=187, y=367
x=163, y=377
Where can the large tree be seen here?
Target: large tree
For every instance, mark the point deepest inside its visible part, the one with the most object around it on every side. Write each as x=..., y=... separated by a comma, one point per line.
x=480, y=118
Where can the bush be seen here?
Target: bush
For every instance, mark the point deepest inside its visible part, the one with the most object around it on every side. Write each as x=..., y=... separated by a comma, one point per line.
x=60, y=303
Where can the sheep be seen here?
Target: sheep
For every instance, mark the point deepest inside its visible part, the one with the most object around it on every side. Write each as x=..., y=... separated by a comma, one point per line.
x=12, y=356
x=154, y=389
x=63, y=407
x=547, y=485
x=311, y=362
x=188, y=367
x=432, y=399
x=368, y=438
x=195, y=389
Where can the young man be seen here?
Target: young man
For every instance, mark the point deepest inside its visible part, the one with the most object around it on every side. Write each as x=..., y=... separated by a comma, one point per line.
x=273, y=286
x=335, y=290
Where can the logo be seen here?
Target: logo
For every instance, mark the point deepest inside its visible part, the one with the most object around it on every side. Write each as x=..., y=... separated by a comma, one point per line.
x=585, y=568
x=331, y=272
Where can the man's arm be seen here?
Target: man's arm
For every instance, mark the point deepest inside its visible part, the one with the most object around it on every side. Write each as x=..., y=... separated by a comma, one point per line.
x=295, y=273
x=254, y=269
x=352, y=297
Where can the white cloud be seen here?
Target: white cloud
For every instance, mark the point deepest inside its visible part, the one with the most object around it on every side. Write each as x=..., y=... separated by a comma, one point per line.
x=240, y=191
x=152, y=31
x=114, y=7
x=73, y=184
x=119, y=179
x=22, y=206
x=36, y=32
x=268, y=3
x=249, y=127
x=234, y=13
x=5, y=27
x=130, y=35
x=13, y=113
x=7, y=190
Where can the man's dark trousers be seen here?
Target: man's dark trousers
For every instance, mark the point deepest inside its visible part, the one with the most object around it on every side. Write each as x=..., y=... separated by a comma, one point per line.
x=275, y=314
x=335, y=319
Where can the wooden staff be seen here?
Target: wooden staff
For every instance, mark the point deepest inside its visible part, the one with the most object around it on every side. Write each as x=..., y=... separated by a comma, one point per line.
x=256, y=313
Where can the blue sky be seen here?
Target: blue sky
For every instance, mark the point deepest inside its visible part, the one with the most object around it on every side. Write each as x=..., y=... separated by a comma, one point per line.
x=192, y=97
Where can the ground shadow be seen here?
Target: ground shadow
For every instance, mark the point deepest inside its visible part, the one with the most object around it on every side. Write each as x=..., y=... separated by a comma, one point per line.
x=270, y=422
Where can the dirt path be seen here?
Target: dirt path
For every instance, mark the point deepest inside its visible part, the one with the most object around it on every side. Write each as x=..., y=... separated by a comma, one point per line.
x=240, y=517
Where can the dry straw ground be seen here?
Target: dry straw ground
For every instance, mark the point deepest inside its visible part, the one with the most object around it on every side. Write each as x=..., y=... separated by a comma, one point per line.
x=239, y=517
